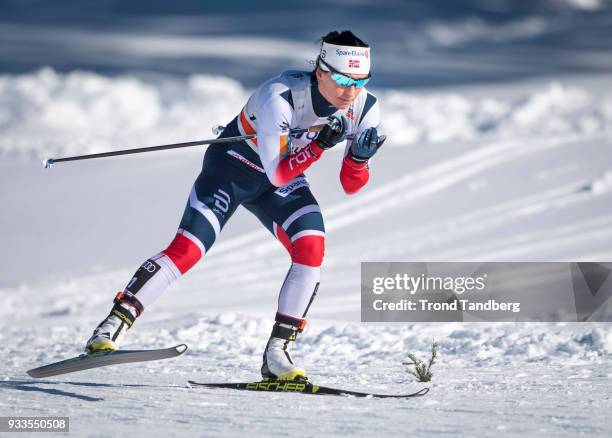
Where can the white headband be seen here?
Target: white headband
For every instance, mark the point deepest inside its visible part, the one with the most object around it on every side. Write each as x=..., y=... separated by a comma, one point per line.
x=346, y=59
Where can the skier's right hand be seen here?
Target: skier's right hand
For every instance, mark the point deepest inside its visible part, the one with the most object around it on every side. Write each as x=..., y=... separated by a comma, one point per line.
x=333, y=133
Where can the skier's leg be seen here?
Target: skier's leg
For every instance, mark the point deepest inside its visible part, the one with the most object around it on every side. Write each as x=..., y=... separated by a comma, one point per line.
x=296, y=221
x=215, y=195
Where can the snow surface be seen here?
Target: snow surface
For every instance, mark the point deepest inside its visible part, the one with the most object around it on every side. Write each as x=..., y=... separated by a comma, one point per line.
x=507, y=158
x=534, y=184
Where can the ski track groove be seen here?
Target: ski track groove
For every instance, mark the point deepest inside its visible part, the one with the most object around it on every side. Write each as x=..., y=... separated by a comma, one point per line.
x=459, y=227
x=529, y=243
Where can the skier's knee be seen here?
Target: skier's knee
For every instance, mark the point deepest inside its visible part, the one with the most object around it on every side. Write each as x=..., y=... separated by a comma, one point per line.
x=309, y=250
x=184, y=252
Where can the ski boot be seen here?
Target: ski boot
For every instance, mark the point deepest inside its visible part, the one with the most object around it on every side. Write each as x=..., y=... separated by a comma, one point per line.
x=108, y=333
x=277, y=362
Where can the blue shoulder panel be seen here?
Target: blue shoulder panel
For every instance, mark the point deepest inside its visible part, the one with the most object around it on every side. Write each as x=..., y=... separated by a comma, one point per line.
x=369, y=103
x=288, y=97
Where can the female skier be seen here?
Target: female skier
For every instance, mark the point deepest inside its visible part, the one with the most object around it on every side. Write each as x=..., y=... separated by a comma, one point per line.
x=265, y=175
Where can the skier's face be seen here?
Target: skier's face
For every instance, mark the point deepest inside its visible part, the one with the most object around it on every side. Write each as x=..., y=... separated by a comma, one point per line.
x=340, y=97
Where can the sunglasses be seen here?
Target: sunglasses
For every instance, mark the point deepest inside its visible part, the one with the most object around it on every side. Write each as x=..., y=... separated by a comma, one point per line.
x=344, y=80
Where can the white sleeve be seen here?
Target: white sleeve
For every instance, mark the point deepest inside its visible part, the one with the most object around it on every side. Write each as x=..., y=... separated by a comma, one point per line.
x=274, y=116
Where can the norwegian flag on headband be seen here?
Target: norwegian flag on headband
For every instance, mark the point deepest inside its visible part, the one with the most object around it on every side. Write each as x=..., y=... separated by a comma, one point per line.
x=353, y=63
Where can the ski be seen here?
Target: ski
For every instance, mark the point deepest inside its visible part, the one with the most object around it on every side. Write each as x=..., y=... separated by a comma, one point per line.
x=302, y=387
x=104, y=358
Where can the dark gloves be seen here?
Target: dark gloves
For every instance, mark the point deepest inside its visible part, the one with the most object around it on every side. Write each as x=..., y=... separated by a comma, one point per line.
x=333, y=133
x=366, y=145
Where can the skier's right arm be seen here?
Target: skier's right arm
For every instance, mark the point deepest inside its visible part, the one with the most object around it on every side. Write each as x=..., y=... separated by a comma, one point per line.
x=273, y=142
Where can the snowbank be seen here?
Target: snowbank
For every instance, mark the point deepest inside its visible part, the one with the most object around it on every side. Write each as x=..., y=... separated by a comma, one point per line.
x=50, y=114
x=442, y=117
x=353, y=344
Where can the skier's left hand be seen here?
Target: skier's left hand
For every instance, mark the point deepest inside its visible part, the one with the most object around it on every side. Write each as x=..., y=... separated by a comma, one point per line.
x=366, y=145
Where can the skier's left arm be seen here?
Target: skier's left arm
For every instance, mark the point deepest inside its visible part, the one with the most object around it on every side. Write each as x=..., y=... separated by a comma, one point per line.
x=355, y=171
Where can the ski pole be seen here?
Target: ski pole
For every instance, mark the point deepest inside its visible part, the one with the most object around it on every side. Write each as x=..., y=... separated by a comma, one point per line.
x=51, y=161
